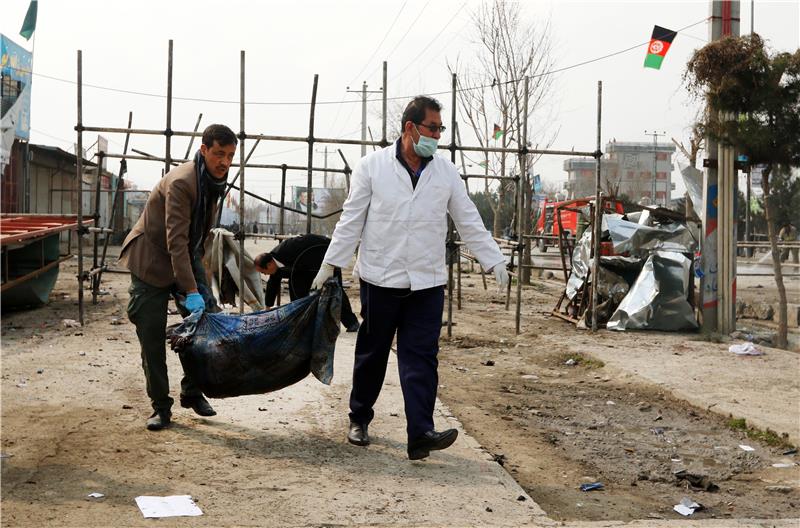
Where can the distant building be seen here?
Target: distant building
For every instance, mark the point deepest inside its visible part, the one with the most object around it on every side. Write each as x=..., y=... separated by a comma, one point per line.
x=626, y=169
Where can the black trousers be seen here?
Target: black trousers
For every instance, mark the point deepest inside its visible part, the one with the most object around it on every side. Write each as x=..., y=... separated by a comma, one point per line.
x=147, y=309
x=416, y=318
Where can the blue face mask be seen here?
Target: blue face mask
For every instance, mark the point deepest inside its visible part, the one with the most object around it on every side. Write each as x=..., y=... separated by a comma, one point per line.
x=426, y=146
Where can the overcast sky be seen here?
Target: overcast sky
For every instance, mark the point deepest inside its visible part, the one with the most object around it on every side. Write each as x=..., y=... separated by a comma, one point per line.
x=125, y=47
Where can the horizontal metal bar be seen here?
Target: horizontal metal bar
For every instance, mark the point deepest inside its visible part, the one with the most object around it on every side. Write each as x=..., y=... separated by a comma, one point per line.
x=484, y=177
x=766, y=275
x=248, y=165
x=102, y=190
x=299, y=139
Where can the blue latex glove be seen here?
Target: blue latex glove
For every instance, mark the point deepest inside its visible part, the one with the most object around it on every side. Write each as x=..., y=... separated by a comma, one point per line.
x=195, y=303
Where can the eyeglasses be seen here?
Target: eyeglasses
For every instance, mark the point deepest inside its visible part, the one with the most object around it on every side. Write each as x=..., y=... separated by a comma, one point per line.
x=434, y=128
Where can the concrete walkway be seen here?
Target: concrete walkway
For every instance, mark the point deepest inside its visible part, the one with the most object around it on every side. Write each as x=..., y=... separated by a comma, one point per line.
x=378, y=485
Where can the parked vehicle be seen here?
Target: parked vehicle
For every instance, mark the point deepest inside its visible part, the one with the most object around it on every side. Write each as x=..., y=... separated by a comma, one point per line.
x=547, y=225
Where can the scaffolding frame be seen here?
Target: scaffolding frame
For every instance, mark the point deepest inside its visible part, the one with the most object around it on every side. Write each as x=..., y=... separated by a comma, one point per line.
x=452, y=247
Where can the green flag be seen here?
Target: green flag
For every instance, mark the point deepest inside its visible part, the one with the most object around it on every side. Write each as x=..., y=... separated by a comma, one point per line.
x=29, y=25
x=497, y=132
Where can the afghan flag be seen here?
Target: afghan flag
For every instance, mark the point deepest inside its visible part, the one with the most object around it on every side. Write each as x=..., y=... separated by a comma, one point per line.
x=497, y=132
x=659, y=45
x=29, y=24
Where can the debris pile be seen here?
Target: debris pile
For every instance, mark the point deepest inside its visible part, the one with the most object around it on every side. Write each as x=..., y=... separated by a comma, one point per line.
x=646, y=275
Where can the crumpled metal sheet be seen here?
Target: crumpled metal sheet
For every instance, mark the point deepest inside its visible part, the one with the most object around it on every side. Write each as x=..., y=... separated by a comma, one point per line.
x=658, y=298
x=693, y=179
x=641, y=239
x=224, y=262
x=581, y=258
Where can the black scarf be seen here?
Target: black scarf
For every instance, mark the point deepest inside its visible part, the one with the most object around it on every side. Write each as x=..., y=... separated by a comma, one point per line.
x=209, y=189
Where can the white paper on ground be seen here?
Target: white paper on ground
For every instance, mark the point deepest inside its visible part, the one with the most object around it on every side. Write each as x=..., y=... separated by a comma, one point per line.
x=782, y=465
x=171, y=506
x=683, y=510
x=745, y=447
x=96, y=495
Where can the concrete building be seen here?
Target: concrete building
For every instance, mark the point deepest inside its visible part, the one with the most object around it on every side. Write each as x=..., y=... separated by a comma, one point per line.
x=627, y=169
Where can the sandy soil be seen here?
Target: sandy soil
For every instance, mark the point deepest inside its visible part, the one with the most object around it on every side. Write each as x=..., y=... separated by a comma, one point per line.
x=555, y=426
x=73, y=410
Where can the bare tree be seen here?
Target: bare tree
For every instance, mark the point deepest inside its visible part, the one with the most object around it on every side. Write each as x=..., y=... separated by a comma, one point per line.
x=492, y=92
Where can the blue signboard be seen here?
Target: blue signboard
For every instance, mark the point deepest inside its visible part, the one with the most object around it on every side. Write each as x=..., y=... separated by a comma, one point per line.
x=537, y=184
x=15, y=69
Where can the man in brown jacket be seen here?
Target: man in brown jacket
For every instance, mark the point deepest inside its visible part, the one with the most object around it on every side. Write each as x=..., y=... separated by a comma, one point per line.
x=164, y=253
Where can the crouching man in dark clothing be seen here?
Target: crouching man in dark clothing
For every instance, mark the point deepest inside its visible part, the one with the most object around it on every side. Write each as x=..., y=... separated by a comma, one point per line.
x=298, y=260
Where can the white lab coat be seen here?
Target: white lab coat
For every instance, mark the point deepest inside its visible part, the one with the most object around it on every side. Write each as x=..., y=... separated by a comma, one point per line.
x=403, y=230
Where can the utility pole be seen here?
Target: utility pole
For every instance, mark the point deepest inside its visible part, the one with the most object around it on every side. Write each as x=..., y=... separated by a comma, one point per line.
x=325, y=180
x=655, y=135
x=747, y=225
x=364, y=93
x=718, y=243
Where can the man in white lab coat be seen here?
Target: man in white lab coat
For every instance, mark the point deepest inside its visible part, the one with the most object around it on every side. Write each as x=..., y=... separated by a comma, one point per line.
x=397, y=208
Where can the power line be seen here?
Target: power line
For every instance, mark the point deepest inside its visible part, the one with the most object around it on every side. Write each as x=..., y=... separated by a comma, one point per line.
x=378, y=47
x=298, y=103
x=410, y=27
x=428, y=45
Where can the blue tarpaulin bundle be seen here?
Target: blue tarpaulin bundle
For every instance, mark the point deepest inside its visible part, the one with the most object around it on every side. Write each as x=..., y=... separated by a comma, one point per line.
x=235, y=355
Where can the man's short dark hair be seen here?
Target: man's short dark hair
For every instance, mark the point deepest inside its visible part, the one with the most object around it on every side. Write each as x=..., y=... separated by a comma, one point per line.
x=223, y=135
x=263, y=259
x=416, y=109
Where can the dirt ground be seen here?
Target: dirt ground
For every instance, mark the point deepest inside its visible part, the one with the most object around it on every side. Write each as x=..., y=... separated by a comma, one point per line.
x=73, y=408
x=556, y=425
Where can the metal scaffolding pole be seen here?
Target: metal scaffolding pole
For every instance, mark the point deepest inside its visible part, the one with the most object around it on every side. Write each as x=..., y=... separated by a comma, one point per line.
x=283, y=200
x=191, y=139
x=242, y=162
x=522, y=151
x=79, y=182
x=523, y=168
x=168, y=130
x=309, y=187
x=597, y=228
x=96, y=216
x=450, y=245
x=384, y=112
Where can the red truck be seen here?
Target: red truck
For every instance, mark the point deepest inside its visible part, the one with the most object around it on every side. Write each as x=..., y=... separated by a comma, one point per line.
x=547, y=224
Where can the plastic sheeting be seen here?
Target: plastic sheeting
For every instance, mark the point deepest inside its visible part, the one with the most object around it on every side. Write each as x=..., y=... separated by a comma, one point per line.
x=658, y=298
x=637, y=239
x=234, y=355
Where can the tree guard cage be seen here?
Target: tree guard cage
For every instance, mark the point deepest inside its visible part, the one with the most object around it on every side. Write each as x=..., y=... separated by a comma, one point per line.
x=522, y=152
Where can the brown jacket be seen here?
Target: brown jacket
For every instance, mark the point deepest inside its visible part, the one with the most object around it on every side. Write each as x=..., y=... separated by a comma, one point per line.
x=157, y=248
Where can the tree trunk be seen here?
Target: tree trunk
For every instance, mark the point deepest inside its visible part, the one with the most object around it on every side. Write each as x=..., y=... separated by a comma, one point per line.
x=776, y=259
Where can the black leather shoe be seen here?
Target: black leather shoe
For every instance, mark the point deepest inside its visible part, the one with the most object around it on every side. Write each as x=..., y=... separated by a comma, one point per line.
x=421, y=447
x=199, y=405
x=357, y=434
x=159, y=420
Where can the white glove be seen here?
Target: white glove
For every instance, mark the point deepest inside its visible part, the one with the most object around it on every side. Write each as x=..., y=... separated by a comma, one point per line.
x=325, y=273
x=501, y=276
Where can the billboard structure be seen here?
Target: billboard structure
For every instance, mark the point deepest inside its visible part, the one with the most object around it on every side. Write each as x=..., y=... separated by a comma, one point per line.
x=323, y=200
x=15, y=95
